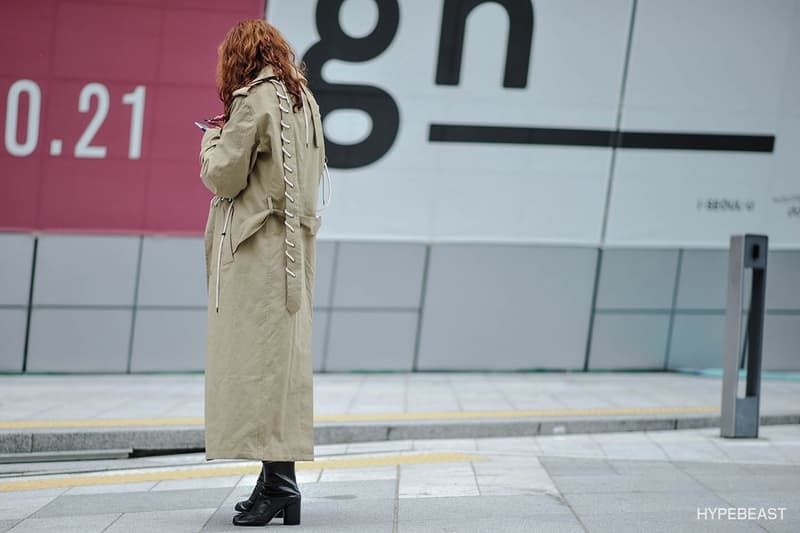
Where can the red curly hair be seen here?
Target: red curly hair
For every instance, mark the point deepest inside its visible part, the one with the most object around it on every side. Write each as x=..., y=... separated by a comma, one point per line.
x=247, y=48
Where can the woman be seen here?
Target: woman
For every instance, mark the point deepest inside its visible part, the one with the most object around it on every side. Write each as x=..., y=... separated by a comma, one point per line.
x=263, y=160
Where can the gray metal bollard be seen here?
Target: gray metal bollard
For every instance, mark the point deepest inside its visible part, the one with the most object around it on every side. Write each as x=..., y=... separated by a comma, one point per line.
x=740, y=416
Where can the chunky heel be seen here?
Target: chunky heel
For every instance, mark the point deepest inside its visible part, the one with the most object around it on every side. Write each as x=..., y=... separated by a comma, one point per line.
x=291, y=514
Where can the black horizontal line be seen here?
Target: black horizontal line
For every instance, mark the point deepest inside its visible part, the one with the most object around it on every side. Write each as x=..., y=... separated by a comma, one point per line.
x=465, y=133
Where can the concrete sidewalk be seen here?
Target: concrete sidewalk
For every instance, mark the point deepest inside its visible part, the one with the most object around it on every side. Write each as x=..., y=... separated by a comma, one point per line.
x=121, y=413
x=653, y=481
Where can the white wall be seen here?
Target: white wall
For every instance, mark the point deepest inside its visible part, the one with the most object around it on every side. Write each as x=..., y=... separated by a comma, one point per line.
x=717, y=67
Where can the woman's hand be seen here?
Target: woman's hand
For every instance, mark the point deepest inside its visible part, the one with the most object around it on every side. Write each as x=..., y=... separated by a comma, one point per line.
x=216, y=122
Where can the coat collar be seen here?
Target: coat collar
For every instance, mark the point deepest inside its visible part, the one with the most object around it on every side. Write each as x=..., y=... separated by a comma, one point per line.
x=265, y=73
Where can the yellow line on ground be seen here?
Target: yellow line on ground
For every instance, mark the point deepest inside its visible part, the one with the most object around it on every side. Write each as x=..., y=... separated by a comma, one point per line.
x=207, y=471
x=371, y=417
x=528, y=413
x=99, y=422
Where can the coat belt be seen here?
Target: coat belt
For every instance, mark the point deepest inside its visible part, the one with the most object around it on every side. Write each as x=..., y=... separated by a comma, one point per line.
x=246, y=228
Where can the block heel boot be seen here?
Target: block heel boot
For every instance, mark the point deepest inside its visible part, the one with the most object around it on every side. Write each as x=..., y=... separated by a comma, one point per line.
x=278, y=493
x=246, y=505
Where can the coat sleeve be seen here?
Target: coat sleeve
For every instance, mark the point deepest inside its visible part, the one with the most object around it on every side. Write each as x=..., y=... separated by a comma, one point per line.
x=227, y=154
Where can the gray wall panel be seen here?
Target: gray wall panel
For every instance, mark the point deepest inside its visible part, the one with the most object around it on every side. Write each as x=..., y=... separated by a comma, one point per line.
x=703, y=281
x=379, y=275
x=629, y=341
x=637, y=279
x=12, y=333
x=173, y=272
x=783, y=280
x=15, y=268
x=323, y=273
x=318, y=330
x=377, y=340
x=79, y=340
x=781, y=342
x=698, y=341
x=85, y=270
x=169, y=340
x=506, y=307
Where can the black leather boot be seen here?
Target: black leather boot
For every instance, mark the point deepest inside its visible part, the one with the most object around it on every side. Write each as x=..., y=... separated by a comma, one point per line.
x=246, y=505
x=278, y=492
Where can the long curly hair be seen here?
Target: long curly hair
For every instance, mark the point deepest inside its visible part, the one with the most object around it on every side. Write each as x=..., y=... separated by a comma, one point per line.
x=247, y=48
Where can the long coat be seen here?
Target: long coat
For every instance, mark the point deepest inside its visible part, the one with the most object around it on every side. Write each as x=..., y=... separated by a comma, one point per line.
x=264, y=167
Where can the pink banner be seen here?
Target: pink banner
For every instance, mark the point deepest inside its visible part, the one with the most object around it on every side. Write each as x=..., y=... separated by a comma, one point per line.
x=100, y=97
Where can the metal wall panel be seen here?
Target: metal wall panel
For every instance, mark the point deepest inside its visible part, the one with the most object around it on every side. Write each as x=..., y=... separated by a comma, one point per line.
x=379, y=275
x=15, y=268
x=85, y=270
x=169, y=340
x=79, y=340
x=371, y=340
x=622, y=341
x=319, y=330
x=704, y=277
x=781, y=342
x=697, y=341
x=783, y=280
x=637, y=279
x=12, y=333
x=172, y=272
x=323, y=273
x=503, y=307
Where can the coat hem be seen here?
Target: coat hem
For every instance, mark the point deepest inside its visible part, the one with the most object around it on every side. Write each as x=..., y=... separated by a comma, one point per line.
x=260, y=457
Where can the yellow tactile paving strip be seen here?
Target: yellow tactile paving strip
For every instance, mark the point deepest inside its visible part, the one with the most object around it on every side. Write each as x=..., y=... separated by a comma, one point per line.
x=207, y=471
x=373, y=417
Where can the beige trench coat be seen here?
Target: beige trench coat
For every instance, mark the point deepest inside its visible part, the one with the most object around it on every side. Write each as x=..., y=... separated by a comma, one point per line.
x=264, y=166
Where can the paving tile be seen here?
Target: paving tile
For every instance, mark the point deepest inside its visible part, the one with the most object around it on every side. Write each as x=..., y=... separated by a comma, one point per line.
x=656, y=481
x=348, y=490
x=790, y=500
x=570, y=445
x=766, y=482
x=19, y=505
x=632, y=449
x=513, y=475
x=376, y=515
x=201, y=483
x=358, y=474
x=468, y=509
x=108, y=489
x=543, y=523
x=380, y=446
x=577, y=466
x=447, y=445
x=644, y=466
x=683, y=505
x=437, y=480
x=662, y=522
x=133, y=502
x=522, y=445
x=184, y=521
x=5, y=525
x=66, y=524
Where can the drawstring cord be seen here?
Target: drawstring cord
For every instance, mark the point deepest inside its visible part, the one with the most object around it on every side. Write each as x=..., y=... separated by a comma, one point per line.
x=221, y=242
x=326, y=176
x=305, y=113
